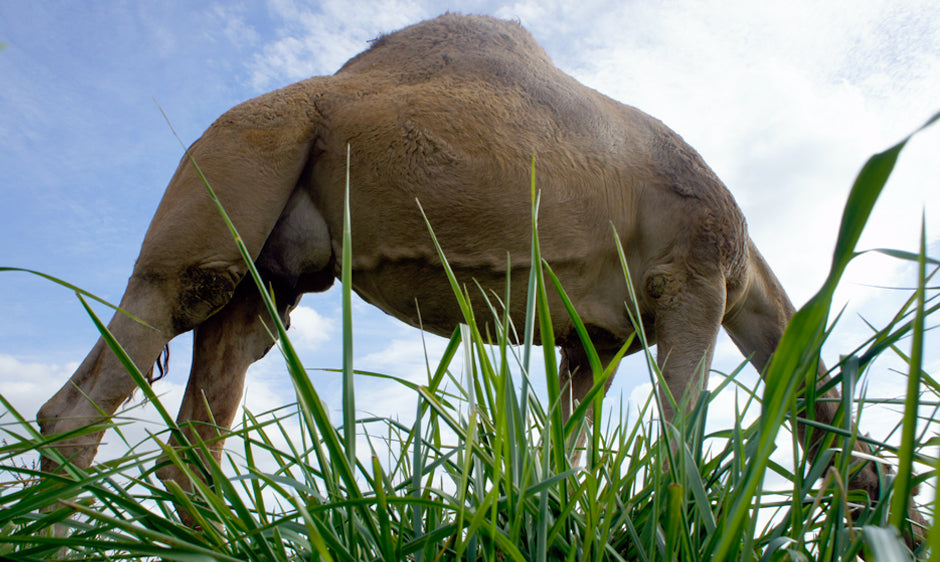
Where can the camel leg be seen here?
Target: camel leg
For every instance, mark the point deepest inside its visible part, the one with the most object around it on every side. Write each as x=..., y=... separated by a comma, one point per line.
x=576, y=376
x=189, y=264
x=688, y=313
x=756, y=325
x=101, y=383
x=224, y=346
x=577, y=379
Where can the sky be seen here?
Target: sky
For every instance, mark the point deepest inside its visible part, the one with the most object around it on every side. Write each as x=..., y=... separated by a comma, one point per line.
x=785, y=101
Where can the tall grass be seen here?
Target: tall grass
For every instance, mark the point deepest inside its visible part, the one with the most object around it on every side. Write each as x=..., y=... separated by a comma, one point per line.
x=484, y=472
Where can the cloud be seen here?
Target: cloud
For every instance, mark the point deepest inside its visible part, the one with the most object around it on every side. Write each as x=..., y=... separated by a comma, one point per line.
x=316, y=39
x=142, y=419
x=27, y=385
x=785, y=103
x=309, y=328
x=403, y=358
x=234, y=27
x=408, y=357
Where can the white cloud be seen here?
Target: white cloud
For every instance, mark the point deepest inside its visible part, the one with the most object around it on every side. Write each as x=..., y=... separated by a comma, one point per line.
x=406, y=357
x=235, y=28
x=785, y=103
x=27, y=385
x=309, y=328
x=403, y=358
x=268, y=385
x=317, y=39
x=142, y=419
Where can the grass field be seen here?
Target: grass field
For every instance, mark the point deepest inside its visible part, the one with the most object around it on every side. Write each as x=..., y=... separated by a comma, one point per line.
x=484, y=472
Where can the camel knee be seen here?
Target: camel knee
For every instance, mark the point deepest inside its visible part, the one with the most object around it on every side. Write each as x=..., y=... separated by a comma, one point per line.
x=48, y=415
x=203, y=290
x=661, y=286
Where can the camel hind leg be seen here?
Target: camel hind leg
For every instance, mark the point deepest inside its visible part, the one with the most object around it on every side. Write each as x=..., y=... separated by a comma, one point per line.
x=189, y=264
x=224, y=346
x=297, y=258
x=101, y=383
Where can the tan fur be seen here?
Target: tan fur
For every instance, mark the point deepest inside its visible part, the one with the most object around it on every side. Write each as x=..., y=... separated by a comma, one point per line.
x=449, y=112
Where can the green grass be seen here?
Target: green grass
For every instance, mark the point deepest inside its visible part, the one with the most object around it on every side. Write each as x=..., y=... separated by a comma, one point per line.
x=483, y=471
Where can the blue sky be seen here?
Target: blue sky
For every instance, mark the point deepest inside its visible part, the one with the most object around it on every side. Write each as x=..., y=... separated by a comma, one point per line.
x=784, y=102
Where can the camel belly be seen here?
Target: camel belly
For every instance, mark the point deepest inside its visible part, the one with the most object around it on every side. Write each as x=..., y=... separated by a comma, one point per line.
x=418, y=292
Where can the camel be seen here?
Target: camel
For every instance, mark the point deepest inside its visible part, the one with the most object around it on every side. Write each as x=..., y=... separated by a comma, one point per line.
x=448, y=112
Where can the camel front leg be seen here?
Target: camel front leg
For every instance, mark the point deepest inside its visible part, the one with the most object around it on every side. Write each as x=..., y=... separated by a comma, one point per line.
x=688, y=311
x=757, y=323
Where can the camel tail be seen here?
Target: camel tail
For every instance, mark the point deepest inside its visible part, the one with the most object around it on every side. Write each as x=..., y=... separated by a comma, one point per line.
x=162, y=365
x=757, y=320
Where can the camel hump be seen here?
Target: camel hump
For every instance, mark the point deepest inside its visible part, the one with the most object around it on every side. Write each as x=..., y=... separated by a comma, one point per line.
x=455, y=45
